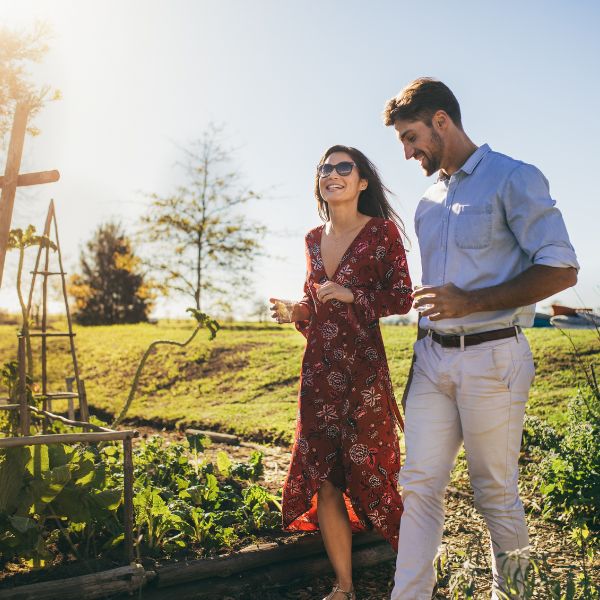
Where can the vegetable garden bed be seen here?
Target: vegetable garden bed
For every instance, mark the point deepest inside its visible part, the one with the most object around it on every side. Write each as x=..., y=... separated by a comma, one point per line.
x=278, y=565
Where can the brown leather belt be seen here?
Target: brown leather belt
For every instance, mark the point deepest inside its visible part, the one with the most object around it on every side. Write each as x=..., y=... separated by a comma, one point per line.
x=472, y=339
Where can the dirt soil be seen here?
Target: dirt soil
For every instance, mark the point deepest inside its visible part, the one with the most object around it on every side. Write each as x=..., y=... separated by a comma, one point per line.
x=464, y=528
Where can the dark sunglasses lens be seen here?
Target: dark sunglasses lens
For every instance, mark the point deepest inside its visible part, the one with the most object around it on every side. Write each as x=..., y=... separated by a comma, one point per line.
x=344, y=168
x=325, y=170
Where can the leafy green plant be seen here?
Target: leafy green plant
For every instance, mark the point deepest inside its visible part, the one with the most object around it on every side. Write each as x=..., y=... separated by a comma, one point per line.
x=9, y=376
x=565, y=467
x=163, y=528
x=525, y=577
x=182, y=499
x=51, y=495
x=252, y=470
x=69, y=499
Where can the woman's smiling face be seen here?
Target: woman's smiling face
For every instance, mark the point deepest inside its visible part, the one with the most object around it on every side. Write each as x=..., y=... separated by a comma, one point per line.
x=336, y=188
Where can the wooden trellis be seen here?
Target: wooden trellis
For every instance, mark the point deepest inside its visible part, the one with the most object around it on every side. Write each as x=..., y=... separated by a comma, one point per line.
x=93, y=433
x=47, y=336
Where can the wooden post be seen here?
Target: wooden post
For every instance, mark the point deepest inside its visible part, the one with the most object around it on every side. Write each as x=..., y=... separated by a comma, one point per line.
x=22, y=388
x=66, y=438
x=123, y=582
x=84, y=411
x=11, y=173
x=71, y=409
x=83, y=405
x=128, y=498
x=26, y=179
x=45, y=318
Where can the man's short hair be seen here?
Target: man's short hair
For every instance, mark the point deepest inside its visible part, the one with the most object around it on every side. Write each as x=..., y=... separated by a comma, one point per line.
x=420, y=100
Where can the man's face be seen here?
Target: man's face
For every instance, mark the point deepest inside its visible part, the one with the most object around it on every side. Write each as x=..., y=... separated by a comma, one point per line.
x=422, y=143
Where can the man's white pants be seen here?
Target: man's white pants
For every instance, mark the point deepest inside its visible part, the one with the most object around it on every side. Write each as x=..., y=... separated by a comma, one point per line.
x=476, y=396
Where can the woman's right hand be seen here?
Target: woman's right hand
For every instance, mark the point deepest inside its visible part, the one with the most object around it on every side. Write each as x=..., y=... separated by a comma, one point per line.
x=287, y=311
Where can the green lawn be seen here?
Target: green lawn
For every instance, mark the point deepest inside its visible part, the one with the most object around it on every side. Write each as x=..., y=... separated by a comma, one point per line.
x=246, y=380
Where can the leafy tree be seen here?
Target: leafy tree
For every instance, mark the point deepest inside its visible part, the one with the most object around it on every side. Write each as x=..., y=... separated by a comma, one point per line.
x=18, y=50
x=111, y=288
x=205, y=243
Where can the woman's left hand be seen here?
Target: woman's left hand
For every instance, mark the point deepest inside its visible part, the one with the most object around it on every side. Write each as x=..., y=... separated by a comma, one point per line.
x=333, y=291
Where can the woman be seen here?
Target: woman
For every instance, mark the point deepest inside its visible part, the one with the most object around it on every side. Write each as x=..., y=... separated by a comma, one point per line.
x=346, y=458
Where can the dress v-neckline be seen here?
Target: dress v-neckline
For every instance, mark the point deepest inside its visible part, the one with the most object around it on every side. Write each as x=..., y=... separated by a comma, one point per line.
x=346, y=251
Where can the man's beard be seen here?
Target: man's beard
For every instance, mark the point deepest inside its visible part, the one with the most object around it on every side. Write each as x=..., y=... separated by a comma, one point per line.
x=433, y=161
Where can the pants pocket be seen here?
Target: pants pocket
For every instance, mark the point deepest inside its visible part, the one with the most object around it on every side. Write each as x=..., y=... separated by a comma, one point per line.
x=513, y=367
x=502, y=365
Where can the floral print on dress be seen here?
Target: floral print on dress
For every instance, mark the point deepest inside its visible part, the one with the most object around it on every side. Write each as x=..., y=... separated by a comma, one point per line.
x=347, y=414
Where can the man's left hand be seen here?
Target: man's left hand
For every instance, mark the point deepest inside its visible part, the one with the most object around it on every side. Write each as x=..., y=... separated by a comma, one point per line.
x=443, y=302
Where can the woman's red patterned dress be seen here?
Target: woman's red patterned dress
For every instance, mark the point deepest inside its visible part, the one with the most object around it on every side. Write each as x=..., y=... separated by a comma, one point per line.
x=347, y=414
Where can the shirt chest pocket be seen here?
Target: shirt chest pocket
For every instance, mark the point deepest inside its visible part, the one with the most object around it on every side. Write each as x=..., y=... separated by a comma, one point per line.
x=472, y=225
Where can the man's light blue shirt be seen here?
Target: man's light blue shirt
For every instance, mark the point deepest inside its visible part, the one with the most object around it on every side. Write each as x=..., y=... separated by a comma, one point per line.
x=491, y=220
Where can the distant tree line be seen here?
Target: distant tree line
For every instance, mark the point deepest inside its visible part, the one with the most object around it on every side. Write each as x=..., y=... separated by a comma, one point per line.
x=201, y=240
x=201, y=243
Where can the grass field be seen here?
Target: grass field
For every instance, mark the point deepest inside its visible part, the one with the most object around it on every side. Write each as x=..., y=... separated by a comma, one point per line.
x=246, y=380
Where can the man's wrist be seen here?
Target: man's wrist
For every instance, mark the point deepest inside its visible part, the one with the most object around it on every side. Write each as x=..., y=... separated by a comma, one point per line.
x=474, y=301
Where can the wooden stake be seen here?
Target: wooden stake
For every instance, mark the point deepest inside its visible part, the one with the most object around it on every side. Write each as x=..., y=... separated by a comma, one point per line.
x=128, y=498
x=69, y=384
x=34, y=178
x=124, y=580
x=70, y=422
x=269, y=576
x=11, y=173
x=66, y=438
x=22, y=388
x=215, y=436
x=252, y=557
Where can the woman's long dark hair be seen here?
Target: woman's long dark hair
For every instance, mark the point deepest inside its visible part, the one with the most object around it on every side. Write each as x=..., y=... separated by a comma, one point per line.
x=373, y=200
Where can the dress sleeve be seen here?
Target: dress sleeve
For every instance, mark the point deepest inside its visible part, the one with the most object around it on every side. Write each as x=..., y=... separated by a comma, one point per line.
x=391, y=293
x=307, y=300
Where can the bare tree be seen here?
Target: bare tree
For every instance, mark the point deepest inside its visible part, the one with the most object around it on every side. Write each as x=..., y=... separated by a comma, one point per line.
x=18, y=50
x=203, y=242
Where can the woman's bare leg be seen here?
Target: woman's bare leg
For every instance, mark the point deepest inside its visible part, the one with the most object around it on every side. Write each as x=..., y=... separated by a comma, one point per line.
x=337, y=535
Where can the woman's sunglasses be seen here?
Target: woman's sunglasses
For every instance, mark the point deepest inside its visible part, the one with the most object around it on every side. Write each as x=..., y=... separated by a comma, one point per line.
x=343, y=168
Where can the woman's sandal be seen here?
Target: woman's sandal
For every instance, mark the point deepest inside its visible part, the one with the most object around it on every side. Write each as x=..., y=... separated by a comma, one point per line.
x=337, y=589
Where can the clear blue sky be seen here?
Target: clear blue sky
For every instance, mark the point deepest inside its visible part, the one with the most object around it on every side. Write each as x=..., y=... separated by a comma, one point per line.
x=140, y=78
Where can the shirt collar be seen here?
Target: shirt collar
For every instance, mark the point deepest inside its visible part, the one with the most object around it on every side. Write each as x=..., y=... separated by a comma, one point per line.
x=470, y=163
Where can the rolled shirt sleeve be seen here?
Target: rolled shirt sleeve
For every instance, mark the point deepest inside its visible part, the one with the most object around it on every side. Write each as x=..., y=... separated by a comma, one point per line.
x=535, y=221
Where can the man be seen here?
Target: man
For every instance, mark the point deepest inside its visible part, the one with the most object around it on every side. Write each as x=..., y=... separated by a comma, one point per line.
x=492, y=245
